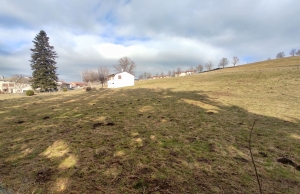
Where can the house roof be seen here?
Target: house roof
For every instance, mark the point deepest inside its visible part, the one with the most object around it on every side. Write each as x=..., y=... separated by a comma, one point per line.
x=118, y=73
x=78, y=83
x=17, y=79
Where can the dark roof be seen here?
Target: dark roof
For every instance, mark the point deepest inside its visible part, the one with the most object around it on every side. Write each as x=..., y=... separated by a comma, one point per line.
x=17, y=79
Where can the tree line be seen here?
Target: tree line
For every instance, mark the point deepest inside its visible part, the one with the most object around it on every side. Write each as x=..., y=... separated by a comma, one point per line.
x=197, y=69
x=292, y=53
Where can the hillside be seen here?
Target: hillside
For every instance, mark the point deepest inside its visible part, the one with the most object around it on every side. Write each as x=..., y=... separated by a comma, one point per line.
x=175, y=135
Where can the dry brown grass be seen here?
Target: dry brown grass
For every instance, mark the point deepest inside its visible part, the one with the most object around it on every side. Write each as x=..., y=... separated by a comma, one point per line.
x=177, y=135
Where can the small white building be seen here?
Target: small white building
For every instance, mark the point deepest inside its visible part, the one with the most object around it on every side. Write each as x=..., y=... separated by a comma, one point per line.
x=184, y=73
x=120, y=79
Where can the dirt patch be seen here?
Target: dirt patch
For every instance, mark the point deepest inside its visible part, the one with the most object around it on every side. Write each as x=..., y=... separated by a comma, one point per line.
x=288, y=161
x=212, y=147
x=110, y=124
x=20, y=122
x=203, y=160
x=95, y=125
x=263, y=154
x=285, y=160
x=143, y=171
x=44, y=175
x=46, y=117
x=191, y=139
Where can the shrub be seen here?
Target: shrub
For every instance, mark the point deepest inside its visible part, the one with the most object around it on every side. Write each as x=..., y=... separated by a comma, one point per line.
x=29, y=93
x=65, y=89
x=88, y=89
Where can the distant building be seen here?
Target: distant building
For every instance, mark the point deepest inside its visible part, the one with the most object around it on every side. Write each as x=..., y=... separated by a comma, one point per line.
x=62, y=84
x=184, y=73
x=77, y=84
x=15, y=84
x=121, y=79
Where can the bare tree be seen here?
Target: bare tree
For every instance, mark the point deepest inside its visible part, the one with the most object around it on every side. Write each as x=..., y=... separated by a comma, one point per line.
x=162, y=74
x=144, y=75
x=141, y=76
x=125, y=64
x=223, y=62
x=20, y=82
x=293, y=52
x=235, y=60
x=148, y=75
x=102, y=73
x=173, y=73
x=199, y=68
x=298, y=52
x=17, y=75
x=89, y=75
x=178, y=69
x=169, y=73
x=209, y=66
x=280, y=55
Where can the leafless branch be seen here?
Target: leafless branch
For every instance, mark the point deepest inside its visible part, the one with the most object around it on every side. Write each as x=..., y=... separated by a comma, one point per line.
x=103, y=73
x=209, y=66
x=199, y=68
x=235, y=60
x=223, y=62
x=293, y=52
x=280, y=55
x=250, y=148
x=125, y=64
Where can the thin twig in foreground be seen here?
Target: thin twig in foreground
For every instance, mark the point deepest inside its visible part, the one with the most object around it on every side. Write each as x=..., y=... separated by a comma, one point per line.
x=259, y=184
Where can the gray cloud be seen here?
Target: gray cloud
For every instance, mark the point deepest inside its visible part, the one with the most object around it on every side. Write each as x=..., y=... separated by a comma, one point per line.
x=158, y=35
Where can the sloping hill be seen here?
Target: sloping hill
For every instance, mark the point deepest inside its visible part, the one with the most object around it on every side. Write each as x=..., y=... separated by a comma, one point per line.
x=177, y=135
x=273, y=64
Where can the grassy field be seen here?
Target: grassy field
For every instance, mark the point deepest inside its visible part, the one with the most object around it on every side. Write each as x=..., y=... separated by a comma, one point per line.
x=176, y=135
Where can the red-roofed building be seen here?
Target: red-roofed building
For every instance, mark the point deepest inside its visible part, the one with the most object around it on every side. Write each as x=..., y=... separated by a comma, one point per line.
x=78, y=84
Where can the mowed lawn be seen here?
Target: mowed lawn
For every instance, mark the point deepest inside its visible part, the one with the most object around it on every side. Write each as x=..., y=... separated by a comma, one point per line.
x=175, y=135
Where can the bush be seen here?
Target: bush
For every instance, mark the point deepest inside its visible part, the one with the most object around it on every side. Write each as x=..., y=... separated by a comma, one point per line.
x=88, y=89
x=29, y=93
x=65, y=89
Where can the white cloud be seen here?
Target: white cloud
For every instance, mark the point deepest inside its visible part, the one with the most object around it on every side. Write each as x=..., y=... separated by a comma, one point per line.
x=157, y=35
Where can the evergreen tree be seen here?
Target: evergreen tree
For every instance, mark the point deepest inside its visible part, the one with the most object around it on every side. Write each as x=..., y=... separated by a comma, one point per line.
x=43, y=63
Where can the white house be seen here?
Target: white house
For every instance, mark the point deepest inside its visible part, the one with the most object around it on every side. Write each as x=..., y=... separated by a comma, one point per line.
x=15, y=84
x=120, y=79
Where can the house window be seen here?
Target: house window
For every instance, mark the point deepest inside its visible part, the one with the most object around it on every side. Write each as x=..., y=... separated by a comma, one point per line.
x=11, y=85
x=4, y=85
x=119, y=77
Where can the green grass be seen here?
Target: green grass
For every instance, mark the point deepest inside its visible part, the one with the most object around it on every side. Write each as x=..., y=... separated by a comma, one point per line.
x=176, y=135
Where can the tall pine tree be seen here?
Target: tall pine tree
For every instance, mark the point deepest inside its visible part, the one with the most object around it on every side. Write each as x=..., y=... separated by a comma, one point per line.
x=43, y=63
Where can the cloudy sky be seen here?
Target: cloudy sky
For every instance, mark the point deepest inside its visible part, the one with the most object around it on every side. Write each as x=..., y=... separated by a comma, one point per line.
x=159, y=35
